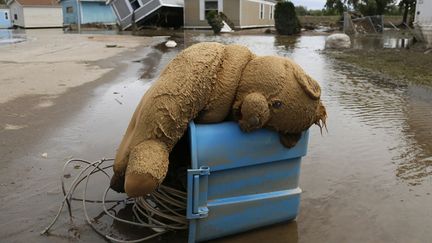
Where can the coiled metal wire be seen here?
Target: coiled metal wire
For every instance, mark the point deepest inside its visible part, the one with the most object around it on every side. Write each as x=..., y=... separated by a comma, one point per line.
x=162, y=211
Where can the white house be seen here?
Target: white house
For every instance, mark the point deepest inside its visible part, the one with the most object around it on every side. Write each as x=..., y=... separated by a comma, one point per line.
x=423, y=20
x=36, y=13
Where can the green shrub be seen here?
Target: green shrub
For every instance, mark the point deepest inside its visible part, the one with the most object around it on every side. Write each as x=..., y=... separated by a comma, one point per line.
x=215, y=21
x=286, y=21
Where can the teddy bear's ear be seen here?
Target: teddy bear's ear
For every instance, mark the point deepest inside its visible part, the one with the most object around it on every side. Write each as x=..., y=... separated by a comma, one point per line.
x=308, y=84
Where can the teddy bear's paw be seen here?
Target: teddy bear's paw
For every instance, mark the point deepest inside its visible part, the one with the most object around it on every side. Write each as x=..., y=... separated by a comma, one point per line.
x=137, y=185
x=147, y=168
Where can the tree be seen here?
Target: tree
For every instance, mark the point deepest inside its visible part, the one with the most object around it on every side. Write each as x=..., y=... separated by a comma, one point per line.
x=374, y=7
x=301, y=10
x=366, y=7
x=335, y=5
x=408, y=6
x=286, y=21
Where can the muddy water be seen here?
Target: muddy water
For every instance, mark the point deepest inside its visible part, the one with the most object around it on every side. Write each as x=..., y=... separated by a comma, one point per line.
x=369, y=179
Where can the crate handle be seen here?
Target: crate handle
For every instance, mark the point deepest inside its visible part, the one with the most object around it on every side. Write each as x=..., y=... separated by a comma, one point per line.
x=194, y=211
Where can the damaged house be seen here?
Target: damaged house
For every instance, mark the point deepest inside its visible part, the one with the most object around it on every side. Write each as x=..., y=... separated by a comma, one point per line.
x=191, y=13
x=167, y=13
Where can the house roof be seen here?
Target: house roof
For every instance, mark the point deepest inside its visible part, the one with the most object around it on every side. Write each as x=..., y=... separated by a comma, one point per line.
x=37, y=2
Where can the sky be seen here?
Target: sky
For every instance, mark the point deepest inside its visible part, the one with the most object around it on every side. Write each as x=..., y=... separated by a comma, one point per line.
x=310, y=4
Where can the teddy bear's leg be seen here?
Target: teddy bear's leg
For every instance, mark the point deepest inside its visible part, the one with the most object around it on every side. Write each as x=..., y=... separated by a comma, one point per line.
x=147, y=167
x=122, y=157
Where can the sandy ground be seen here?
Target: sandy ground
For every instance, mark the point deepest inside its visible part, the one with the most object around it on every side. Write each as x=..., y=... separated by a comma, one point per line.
x=49, y=62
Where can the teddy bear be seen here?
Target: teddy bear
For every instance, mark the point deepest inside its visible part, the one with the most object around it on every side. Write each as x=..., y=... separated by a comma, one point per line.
x=209, y=82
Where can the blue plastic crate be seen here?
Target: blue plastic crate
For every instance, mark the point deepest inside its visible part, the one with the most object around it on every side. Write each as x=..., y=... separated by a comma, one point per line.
x=240, y=181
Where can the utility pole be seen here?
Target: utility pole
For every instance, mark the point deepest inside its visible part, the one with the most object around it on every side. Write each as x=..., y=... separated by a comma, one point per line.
x=79, y=15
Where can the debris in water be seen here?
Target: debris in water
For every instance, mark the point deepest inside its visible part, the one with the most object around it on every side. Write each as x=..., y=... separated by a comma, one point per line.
x=170, y=44
x=13, y=127
x=111, y=45
x=118, y=101
x=44, y=155
x=338, y=41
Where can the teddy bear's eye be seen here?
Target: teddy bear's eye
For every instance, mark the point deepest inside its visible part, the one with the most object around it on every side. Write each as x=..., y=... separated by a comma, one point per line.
x=277, y=104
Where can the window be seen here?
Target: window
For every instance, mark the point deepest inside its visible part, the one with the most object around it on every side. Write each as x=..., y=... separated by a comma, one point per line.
x=15, y=16
x=69, y=9
x=210, y=5
x=261, y=11
x=271, y=12
x=134, y=4
x=6, y=16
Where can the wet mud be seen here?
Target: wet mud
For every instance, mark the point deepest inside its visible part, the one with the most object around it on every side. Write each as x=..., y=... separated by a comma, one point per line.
x=367, y=180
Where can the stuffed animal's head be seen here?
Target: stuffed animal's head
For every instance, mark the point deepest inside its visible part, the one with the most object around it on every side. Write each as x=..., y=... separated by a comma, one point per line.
x=275, y=92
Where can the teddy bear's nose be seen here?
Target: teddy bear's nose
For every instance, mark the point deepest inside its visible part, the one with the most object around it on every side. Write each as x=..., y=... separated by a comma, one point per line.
x=253, y=121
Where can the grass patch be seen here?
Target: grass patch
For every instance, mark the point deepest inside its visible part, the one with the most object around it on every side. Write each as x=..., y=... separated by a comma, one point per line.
x=410, y=65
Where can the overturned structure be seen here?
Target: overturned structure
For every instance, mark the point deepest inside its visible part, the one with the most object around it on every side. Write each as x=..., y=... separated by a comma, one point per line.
x=355, y=23
x=135, y=13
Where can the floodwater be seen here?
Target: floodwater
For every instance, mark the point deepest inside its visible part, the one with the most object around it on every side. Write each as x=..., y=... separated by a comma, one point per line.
x=12, y=36
x=369, y=179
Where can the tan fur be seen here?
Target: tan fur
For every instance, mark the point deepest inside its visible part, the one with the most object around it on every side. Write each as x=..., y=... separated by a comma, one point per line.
x=281, y=80
x=207, y=81
x=220, y=102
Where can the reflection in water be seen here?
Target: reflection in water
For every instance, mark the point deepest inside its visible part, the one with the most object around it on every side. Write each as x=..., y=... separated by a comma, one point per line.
x=416, y=163
x=12, y=36
x=397, y=111
x=286, y=43
x=385, y=40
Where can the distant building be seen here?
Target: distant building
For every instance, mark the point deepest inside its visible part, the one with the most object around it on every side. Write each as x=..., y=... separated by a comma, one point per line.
x=5, y=19
x=35, y=13
x=243, y=13
x=88, y=12
x=423, y=20
x=167, y=13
